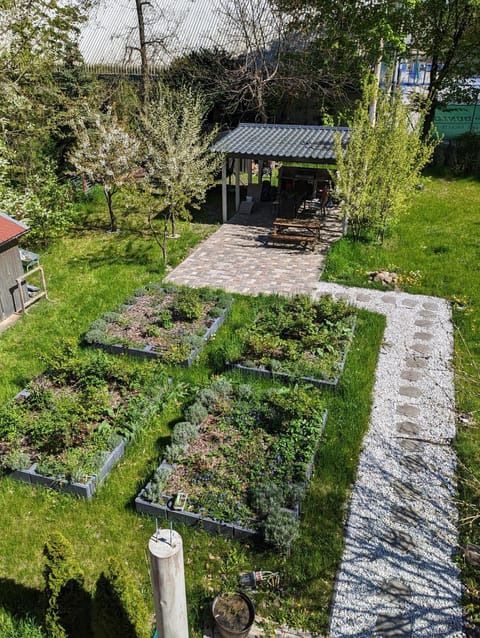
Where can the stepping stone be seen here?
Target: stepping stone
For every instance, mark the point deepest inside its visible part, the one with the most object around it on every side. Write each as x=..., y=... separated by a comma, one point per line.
x=395, y=590
x=408, y=391
x=411, y=375
x=363, y=297
x=422, y=348
x=398, y=539
x=413, y=463
x=424, y=323
x=415, y=362
x=427, y=314
x=410, y=445
x=392, y=625
x=408, y=428
x=406, y=490
x=408, y=410
x=405, y=515
x=430, y=305
x=423, y=336
x=389, y=299
x=409, y=303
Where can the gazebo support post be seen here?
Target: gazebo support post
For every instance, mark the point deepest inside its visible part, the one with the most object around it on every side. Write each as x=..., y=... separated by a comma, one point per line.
x=249, y=172
x=224, y=192
x=237, y=183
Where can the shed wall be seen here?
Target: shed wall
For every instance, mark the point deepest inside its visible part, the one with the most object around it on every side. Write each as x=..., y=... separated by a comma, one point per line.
x=10, y=268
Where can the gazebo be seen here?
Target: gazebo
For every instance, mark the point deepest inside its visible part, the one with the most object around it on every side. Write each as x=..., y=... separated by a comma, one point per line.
x=284, y=143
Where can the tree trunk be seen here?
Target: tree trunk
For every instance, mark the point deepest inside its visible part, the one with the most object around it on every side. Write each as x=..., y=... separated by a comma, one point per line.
x=113, y=218
x=143, y=55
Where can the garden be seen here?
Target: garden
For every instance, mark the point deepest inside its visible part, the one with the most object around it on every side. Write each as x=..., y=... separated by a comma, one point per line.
x=161, y=321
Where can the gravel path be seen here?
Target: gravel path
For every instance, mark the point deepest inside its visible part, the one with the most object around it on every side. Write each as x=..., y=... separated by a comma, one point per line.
x=397, y=577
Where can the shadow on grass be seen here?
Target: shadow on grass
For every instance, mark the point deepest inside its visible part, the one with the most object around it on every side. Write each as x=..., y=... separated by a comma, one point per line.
x=20, y=600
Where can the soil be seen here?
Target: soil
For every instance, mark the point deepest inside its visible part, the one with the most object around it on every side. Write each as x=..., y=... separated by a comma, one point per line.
x=232, y=611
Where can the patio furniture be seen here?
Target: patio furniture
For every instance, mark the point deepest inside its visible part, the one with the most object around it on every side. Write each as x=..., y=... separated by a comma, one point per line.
x=28, y=259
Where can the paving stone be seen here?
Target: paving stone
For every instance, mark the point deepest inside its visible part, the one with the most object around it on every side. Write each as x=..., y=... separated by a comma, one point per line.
x=395, y=589
x=411, y=445
x=404, y=515
x=392, y=625
x=422, y=348
x=411, y=375
x=424, y=323
x=409, y=303
x=408, y=410
x=427, y=314
x=363, y=297
x=405, y=489
x=409, y=428
x=398, y=539
x=415, y=362
x=430, y=305
x=423, y=336
x=413, y=463
x=409, y=391
x=390, y=299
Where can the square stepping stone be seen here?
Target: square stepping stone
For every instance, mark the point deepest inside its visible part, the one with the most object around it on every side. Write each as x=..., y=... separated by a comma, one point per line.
x=423, y=336
x=410, y=374
x=415, y=362
x=424, y=323
x=391, y=625
x=404, y=515
x=395, y=589
x=363, y=297
x=410, y=445
x=427, y=314
x=405, y=489
x=408, y=410
x=389, y=299
x=422, y=348
x=410, y=391
x=398, y=540
x=430, y=305
x=408, y=428
x=414, y=463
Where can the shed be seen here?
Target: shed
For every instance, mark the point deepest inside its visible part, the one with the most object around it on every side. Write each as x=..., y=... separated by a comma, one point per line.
x=10, y=265
x=285, y=143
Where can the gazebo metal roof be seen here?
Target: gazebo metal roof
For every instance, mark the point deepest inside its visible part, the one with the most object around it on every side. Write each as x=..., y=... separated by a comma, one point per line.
x=282, y=142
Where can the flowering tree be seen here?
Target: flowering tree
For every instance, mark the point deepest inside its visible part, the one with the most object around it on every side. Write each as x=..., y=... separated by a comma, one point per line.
x=179, y=163
x=106, y=154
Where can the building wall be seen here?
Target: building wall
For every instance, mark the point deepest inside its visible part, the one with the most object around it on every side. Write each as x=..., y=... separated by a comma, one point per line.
x=10, y=268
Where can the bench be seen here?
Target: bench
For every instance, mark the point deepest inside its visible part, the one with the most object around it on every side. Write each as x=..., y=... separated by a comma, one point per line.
x=300, y=240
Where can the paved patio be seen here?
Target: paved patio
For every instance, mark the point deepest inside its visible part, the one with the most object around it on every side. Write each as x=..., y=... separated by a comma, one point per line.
x=397, y=577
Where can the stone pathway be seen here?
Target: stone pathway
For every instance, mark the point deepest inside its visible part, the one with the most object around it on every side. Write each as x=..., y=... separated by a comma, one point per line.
x=397, y=577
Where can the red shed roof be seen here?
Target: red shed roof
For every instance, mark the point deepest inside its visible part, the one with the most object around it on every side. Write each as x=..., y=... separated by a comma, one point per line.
x=10, y=228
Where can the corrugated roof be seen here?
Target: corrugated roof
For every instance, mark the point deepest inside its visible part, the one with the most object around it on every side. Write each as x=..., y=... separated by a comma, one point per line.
x=110, y=35
x=10, y=228
x=287, y=142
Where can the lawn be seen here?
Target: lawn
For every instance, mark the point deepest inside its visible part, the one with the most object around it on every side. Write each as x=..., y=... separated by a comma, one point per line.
x=435, y=250
x=89, y=273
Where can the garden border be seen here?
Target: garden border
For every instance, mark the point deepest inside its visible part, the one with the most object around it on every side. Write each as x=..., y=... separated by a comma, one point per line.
x=230, y=530
x=320, y=383
x=147, y=353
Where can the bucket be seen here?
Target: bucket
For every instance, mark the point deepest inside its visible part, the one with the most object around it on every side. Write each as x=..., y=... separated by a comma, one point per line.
x=234, y=614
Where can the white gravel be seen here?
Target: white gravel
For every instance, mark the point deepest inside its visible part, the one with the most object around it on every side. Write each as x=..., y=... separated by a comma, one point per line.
x=398, y=576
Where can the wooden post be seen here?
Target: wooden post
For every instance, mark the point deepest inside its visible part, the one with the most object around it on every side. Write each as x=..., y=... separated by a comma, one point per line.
x=224, y=192
x=249, y=172
x=237, y=184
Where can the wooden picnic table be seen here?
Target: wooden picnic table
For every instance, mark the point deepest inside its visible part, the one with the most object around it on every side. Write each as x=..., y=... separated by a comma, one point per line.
x=302, y=232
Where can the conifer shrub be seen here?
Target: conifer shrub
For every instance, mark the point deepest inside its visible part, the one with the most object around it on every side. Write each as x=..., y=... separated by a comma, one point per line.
x=118, y=606
x=68, y=605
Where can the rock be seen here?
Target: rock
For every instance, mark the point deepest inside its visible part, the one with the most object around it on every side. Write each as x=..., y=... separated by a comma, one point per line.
x=383, y=276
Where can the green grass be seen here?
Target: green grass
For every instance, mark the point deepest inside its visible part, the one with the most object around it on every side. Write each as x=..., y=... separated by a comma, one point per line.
x=435, y=249
x=89, y=273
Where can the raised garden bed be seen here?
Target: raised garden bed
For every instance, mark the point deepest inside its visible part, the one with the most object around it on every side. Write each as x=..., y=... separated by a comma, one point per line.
x=67, y=430
x=297, y=339
x=240, y=463
x=165, y=322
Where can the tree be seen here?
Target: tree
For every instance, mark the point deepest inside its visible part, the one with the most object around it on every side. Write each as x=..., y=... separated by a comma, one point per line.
x=106, y=153
x=180, y=166
x=380, y=165
x=446, y=31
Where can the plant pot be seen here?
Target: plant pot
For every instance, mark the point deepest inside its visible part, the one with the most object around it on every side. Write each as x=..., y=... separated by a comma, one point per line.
x=234, y=614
